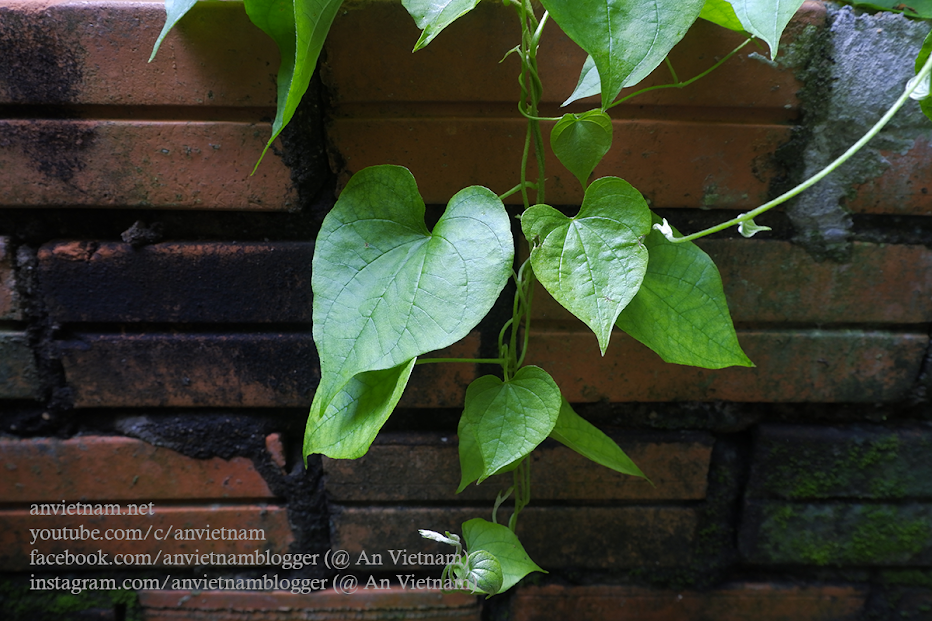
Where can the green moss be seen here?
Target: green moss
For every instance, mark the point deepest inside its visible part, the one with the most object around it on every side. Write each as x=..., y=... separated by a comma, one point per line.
x=19, y=602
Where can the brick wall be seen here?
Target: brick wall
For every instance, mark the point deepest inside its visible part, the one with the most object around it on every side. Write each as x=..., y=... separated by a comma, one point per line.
x=156, y=350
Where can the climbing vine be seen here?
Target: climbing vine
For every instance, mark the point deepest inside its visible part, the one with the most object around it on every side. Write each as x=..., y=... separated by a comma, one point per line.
x=388, y=290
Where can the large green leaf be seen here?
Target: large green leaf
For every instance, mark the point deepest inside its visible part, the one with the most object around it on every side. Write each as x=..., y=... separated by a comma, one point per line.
x=299, y=28
x=592, y=264
x=721, y=12
x=432, y=16
x=386, y=289
x=766, y=18
x=508, y=419
x=627, y=39
x=577, y=433
x=580, y=141
x=356, y=413
x=589, y=84
x=924, y=53
x=504, y=545
x=680, y=311
x=174, y=10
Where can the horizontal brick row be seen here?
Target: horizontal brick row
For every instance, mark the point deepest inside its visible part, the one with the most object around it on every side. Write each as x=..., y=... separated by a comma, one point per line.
x=18, y=376
x=732, y=602
x=777, y=281
x=807, y=462
x=9, y=298
x=227, y=370
x=425, y=467
x=97, y=53
x=554, y=537
x=792, y=366
x=323, y=605
x=118, y=469
x=155, y=165
x=903, y=188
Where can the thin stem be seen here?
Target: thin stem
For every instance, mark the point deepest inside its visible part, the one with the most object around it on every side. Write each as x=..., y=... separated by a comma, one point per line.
x=811, y=181
x=666, y=59
x=515, y=190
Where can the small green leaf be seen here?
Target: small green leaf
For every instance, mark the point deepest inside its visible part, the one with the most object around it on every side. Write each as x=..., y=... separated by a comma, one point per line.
x=627, y=39
x=577, y=433
x=721, y=12
x=483, y=572
x=580, y=141
x=432, y=16
x=766, y=18
x=299, y=28
x=356, y=413
x=749, y=228
x=174, y=10
x=504, y=545
x=471, y=465
x=507, y=420
x=924, y=53
x=680, y=311
x=589, y=84
x=592, y=264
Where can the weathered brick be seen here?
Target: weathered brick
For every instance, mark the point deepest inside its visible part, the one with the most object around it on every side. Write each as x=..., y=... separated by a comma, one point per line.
x=583, y=537
x=443, y=385
x=145, y=164
x=865, y=462
x=194, y=282
x=274, y=534
x=776, y=281
x=781, y=533
x=903, y=188
x=9, y=299
x=18, y=376
x=97, y=53
x=735, y=602
x=457, y=151
x=111, y=468
x=792, y=366
x=412, y=467
x=325, y=605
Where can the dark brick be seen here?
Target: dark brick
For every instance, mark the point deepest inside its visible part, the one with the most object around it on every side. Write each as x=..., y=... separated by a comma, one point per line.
x=9, y=298
x=18, y=376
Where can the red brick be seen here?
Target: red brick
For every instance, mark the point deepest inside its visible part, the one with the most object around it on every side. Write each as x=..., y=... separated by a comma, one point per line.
x=324, y=605
x=16, y=541
x=903, y=188
x=792, y=366
x=18, y=376
x=425, y=467
x=738, y=602
x=776, y=281
x=193, y=282
x=145, y=164
x=454, y=152
x=111, y=468
x=443, y=385
x=583, y=537
x=9, y=299
x=101, y=51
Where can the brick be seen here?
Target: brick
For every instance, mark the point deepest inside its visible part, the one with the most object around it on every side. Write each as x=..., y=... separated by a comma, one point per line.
x=792, y=366
x=903, y=188
x=141, y=164
x=276, y=536
x=781, y=533
x=798, y=462
x=195, y=282
x=228, y=370
x=111, y=468
x=394, y=603
x=583, y=537
x=18, y=376
x=9, y=298
x=97, y=54
x=777, y=281
x=425, y=467
x=734, y=602
x=455, y=152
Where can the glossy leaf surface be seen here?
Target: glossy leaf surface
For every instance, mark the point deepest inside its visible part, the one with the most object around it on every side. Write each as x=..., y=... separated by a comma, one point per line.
x=580, y=141
x=577, y=433
x=432, y=16
x=721, y=12
x=498, y=540
x=484, y=572
x=589, y=84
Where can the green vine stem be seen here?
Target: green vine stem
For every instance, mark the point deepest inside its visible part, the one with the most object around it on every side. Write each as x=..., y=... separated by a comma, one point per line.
x=911, y=86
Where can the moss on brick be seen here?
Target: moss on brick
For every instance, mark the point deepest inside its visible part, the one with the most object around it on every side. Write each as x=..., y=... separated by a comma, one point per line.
x=18, y=601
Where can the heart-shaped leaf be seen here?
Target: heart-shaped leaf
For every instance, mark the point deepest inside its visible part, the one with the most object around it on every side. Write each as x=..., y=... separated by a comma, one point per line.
x=580, y=141
x=504, y=545
x=766, y=18
x=506, y=420
x=174, y=10
x=357, y=412
x=680, y=311
x=592, y=264
x=471, y=465
x=432, y=16
x=589, y=84
x=483, y=572
x=721, y=12
x=577, y=433
x=627, y=39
